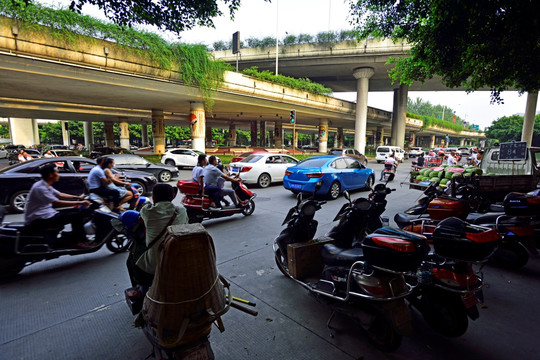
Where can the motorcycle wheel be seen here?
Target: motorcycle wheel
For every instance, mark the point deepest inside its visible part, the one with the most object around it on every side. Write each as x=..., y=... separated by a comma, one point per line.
x=248, y=210
x=119, y=243
x=382, y=335
x=279, y=263
x=511, y=255
x=445, y=314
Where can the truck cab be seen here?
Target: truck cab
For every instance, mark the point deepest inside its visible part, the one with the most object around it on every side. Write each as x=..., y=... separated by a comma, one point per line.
x=491, y=164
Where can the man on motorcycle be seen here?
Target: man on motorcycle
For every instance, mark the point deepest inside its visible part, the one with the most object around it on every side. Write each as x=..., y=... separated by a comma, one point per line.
x=198, y=172
x=389, y=163
x=211, y=175
x=39, y=211
x=99, y=183
x=156, y=217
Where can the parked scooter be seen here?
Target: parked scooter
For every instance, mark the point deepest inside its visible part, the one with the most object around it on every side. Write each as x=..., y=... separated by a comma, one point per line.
x=20, y=247
x=198, y=208
x=366, y=283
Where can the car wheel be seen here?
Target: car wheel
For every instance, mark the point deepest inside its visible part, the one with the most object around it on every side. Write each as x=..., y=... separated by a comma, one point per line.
x=379, y=161
x=264, y=180
x=370, y=181
x=335, y=190
x=165, y=176
x=142, y=189
x=170, y=162
x=18, y=201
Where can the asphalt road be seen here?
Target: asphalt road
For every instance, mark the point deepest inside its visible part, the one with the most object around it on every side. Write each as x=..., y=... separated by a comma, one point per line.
x=73, y=307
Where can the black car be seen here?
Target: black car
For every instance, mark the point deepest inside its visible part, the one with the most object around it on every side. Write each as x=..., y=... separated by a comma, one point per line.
x=16, y=180
x=108, y=150
x=135, y=162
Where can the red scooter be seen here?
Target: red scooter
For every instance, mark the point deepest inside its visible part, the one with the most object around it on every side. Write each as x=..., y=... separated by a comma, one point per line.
x=198, y=208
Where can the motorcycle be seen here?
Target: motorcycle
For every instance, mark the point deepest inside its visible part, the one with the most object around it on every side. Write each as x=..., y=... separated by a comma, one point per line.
x=366, y=283
x=389, y=171
x=20, y=247
x=198, y=208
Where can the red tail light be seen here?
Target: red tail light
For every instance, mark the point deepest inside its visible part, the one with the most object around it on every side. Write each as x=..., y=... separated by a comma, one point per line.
x=534, y=200
x=287, y=173
x=315, y=175
x=484, y=237
x=395, y=244
x=452, y=278
x=246, y=169
x=523, y=230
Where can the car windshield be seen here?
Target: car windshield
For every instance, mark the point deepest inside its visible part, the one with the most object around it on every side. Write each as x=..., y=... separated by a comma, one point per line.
x=383, y=149
x=336, y=151
x=251, y=159
x=245, y=154
x=312, y=163
x=12, y=167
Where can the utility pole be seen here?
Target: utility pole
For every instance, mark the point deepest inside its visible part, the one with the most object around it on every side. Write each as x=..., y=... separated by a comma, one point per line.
x=277, y=32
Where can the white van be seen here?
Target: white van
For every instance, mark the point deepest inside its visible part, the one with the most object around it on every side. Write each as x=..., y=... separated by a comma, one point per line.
x=383, y=152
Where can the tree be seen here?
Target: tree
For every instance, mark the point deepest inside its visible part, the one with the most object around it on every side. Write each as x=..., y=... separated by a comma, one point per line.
x=508, y=128
x=470, y=43
x=4, y=131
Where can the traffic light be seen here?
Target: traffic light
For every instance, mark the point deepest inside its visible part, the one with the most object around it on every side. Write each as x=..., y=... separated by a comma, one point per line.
x=293, y=116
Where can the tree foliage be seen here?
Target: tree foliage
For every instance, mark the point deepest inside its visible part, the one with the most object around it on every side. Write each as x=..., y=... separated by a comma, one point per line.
x=472, y=43
x=299, y=84
x=508, y=128
x=4, y=131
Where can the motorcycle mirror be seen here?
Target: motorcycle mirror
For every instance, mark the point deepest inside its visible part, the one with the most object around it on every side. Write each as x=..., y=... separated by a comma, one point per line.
x=298, y=199
x=318, y=186
x=346, y=195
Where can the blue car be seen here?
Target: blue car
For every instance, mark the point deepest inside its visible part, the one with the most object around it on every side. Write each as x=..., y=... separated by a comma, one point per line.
x=338, y=173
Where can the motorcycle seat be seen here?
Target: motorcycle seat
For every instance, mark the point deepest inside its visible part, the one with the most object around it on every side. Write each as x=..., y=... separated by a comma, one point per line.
x=19, y=226
x=335, y=256
x=483, y=219
x=403, y=220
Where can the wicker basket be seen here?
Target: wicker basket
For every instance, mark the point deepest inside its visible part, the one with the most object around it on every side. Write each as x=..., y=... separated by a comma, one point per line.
x=187, y=294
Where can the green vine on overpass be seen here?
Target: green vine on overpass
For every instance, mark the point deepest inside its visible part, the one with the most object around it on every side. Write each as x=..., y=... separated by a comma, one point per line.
x=299, y=84
x=196, y=66
x=445, y=124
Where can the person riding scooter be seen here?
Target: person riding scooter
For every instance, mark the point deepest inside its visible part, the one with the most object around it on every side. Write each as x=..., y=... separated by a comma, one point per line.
x=98, y=183
x=389, y=164
x=211, y=175
x=39, y=211
x=198, y=172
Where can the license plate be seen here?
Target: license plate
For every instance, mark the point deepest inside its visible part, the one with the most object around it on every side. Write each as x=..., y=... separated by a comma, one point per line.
x=469, y=300
x=234, y=169
x=296, y=186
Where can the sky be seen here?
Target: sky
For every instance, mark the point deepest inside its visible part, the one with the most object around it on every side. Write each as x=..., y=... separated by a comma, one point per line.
x=259, y=18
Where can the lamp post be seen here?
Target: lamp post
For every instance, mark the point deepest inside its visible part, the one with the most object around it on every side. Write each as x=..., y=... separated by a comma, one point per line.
x=277, y=31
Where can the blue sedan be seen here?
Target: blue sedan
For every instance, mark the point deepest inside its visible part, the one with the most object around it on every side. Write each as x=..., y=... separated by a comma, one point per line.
x=338, y=173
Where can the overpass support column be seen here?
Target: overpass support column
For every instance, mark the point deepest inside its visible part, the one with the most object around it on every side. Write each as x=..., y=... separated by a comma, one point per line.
x=88, y=135
x=278, y=134
x=253, y=140
x=339, y=138
x=432, y=142
x=323, y=135
x=362, y=76
x=209, y=137
x=413, y=139
x=528, y=121
x=462, y=142
x=36, y=131
x=399, y=112
x=144, y=134
x=197, y=124
x=380, y=133
x=109, y=134
x=158, y=131
x=22, y=131
x=124, y=132
x=232, y=134
x=262, y=141
x=65, y=133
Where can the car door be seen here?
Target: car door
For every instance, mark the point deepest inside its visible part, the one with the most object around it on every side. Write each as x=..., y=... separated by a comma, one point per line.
x=356, y=173
x=274, y=165
x=70, y=182
x=340, y=166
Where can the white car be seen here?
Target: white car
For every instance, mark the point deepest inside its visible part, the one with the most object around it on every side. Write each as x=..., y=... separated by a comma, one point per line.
x=262, y=169
x=383, y=152
x=181, y=157
x=415, y=151
x=3, y=154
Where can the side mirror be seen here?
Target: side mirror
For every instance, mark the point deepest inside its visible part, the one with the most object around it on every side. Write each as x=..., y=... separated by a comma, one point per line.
x=318, y=185
x=346, y=195
x=148, y=164
x=298, y=199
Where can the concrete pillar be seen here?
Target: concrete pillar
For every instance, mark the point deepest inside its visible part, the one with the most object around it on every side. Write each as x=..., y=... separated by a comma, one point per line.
x=528, y=121
x=323, y=136
x=35, y=131
x=393, y=131
x=88, y=135
x=413, y=139
x=339, y=138
x=380, y=133
x=22, y=131
x=362, y=76
x=253, y=140
x=109, y=134
x=209, y=137
x=158, y=131
x=262, y=132
x=65, y=133
x=401, y=115
x=278, y=134
x=197, y=121
x=432, y=142
x=271, y=139
x=232, y=134
x=462, y=142
x=124, y=132
x=144, y=134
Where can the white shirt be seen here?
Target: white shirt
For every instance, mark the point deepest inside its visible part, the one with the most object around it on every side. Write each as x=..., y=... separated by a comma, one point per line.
x=451, y=160
x=40, y=202
x=390, y=160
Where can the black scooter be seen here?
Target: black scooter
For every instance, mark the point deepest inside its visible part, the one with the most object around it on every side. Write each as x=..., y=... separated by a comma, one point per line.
x=367, y=287
x=20, y=247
